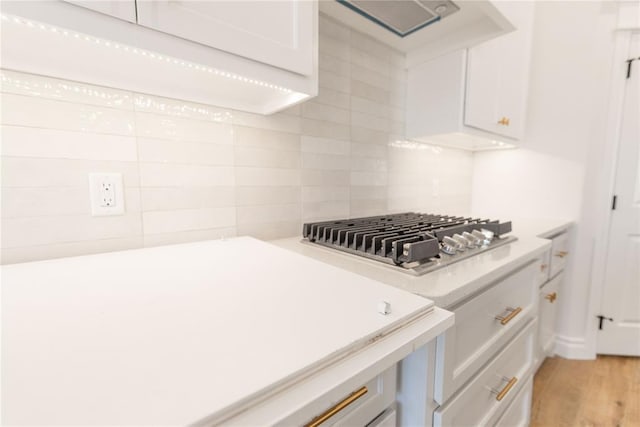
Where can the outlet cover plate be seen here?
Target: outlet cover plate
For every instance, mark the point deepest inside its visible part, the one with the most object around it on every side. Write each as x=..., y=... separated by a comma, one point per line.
x=107, y=194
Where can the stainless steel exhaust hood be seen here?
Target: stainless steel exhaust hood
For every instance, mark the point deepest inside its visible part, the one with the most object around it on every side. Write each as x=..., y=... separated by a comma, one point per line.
x=421, y=29
x=402, y=17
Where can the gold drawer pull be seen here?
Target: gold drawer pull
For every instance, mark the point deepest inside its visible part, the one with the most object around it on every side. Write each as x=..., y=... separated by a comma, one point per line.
x=551, y=297
x=562, y=254
x=543, y=267
x=504, y=121
x=506, y=319
x=506, y=389
x=338, y=407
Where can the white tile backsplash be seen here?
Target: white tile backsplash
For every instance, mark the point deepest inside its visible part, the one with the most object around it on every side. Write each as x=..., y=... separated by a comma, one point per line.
x=180, y=175
x=156, y=222
x=64, y=90
x=194, y=172
x=39, y=112
x=151, y=125
x=194, y=153
x=43, y=172
x=18, y=141
x=168, y=198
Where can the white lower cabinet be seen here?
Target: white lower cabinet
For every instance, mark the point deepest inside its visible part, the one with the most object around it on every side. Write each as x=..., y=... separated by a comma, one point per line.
x=388, y=418
x=483, y=325
x=559, y=252
x=359, y=407
x=549, y=294
x=552, y=266
x=483, y=400
x=518, y=414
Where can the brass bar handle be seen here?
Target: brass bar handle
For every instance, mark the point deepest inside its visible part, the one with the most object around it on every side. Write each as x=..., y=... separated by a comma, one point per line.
x=504, y=121
x=506, y=319
x=551, y=297
x=506, y=389
x=562, y=254
x=338, y=407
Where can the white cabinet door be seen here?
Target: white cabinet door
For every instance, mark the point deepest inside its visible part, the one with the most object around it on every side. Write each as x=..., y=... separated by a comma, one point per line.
x=498, y=74
x=278, y=33
x=121, y=9
x=549, y=293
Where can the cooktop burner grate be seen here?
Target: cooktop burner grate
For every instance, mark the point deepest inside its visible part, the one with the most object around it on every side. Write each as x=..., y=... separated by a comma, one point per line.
x=416, y=241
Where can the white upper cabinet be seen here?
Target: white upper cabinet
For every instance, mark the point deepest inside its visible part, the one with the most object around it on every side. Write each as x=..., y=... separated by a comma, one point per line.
x=122, y=9
x=498, y=77
x=273, y=32
x=256, y=56
x=475, y=98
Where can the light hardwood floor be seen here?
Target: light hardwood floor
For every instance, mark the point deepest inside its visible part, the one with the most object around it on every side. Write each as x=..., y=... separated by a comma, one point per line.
x=603, y=392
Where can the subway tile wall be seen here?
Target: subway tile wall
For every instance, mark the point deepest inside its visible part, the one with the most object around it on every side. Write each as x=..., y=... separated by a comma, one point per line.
x=194, y=172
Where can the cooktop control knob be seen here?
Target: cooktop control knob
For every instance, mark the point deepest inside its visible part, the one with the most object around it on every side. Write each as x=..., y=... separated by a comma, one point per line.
x=464, y=243
x=449, y=246
x=482, y=237
x=473, y=240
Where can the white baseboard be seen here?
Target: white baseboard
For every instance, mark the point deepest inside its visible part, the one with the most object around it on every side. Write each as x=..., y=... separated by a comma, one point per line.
x=572, y=348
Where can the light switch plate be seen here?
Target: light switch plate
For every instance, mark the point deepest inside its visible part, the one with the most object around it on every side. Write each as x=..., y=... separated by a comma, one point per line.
x=107, y=194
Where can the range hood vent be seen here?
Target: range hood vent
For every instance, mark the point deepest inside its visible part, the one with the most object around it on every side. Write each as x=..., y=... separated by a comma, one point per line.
x=402, y=17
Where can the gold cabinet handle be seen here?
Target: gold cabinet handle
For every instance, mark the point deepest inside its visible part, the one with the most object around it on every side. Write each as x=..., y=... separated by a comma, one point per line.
x=543, y=267
x=337, y=408
x=502, y=393
x=504, y=121
x=513, y=313
x=551, y=297
x=562, y=254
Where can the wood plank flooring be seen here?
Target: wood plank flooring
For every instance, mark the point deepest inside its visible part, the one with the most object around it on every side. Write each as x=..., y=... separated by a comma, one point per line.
x=603, y=392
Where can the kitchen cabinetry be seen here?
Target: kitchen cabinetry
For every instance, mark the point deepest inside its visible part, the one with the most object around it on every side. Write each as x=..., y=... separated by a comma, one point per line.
x=487, y=358
x=498, y=76
x=259, y=57
x=123, y=9
x=551, y=269
x=108, y=343
x=275, y=33
x=519, y=412
x=359, y=407
x=484, y=399
x=549, y=293
x=474, y=98
x=472, y=342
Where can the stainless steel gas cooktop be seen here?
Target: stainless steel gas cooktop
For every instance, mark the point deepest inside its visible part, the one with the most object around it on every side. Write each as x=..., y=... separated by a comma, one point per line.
x=415, y=242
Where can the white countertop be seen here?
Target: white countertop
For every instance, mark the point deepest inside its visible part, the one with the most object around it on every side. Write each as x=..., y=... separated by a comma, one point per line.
x=446, y=286
x=175, y=334
x=544, y=228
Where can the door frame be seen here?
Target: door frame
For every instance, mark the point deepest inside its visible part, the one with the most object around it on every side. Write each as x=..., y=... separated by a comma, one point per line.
x=626, y=30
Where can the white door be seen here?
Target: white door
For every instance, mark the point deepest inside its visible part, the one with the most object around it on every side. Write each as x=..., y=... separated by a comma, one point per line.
x=621, y=296
x=278, y=33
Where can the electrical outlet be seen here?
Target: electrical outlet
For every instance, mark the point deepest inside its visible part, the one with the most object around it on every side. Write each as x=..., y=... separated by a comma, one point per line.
x=107, y=194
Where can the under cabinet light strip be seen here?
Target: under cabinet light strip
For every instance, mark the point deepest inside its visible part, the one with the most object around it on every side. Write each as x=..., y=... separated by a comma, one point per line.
x=143, y=52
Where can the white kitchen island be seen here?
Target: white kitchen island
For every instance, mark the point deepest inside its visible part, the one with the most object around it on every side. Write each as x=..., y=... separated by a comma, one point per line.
x=484, y=364
x=234, y=332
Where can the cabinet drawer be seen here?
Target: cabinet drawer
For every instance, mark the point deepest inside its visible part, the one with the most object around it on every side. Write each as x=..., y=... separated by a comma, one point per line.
x=333, y=409
x=548, y=305
x=387, y=419
x=544, y=267
x=486, y=397
x=483, y=325
x=559, y=253
x=518, y=413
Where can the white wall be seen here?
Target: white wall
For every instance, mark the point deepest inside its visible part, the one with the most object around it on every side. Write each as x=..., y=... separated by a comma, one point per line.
x=194, y=172
x=556, y=172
